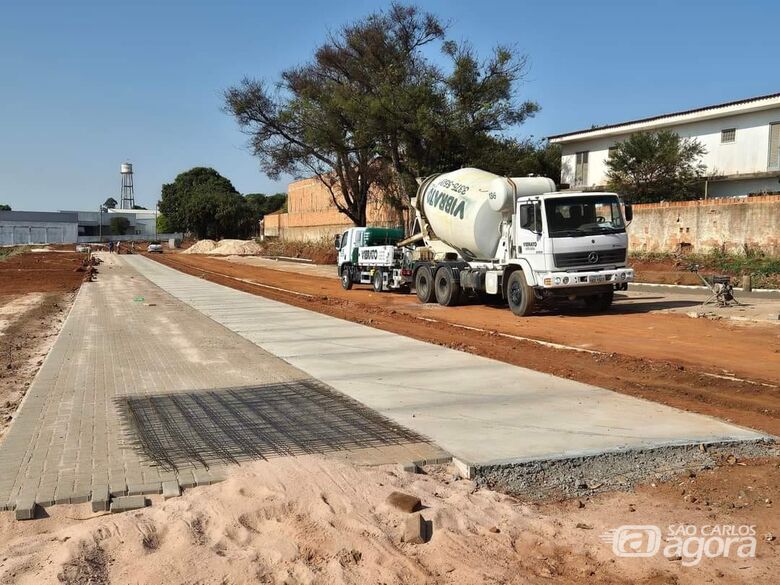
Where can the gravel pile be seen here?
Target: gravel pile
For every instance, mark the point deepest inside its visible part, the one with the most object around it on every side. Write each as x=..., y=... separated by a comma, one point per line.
x=224, y=247
x=201, y=247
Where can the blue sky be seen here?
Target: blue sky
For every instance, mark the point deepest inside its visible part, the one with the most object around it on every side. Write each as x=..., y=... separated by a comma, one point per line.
x=87, y=85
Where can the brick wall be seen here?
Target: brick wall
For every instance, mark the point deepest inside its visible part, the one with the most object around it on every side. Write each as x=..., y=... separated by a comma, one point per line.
x=312, y=215
x=703, y=225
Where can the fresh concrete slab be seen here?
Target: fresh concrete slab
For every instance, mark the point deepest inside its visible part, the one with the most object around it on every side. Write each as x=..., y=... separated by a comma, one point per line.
x=482, y=411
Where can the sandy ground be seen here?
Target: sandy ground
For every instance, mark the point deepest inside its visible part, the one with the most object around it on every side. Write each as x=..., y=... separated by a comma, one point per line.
x=309, y=520
x=29, y=325
x=640, y=349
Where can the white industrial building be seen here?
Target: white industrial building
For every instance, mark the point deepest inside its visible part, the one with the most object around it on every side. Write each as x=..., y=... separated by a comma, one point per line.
x=742, y=140
x=70, y=227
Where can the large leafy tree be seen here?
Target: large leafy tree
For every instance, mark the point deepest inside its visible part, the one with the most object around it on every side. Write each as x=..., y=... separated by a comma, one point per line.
x=262, y=204
x=518, y=158
x=371, y=110
x=204, y=202
x=654, y=166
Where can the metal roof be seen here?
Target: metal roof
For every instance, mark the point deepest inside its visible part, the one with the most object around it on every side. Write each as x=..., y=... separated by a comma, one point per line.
x=712, y=108
x=40, y=216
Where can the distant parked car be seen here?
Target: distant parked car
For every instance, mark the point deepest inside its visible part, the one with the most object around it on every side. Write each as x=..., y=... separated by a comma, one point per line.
x=155, y=247
x=82, y=249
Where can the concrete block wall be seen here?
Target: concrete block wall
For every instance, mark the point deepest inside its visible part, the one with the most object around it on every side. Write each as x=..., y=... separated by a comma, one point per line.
x=701, y=226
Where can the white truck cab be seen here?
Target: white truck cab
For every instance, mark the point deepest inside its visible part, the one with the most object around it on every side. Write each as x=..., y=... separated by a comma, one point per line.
x=572, y=240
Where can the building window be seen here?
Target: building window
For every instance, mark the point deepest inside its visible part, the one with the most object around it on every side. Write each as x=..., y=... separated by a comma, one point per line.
x=581, y=168
x=774, y=146
x=728, y=135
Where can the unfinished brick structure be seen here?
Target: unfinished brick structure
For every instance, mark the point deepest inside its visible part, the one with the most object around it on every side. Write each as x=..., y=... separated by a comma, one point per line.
x=312, y=215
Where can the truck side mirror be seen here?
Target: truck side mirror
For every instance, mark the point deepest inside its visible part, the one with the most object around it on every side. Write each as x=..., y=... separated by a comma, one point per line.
x=338, y=241
x=629, y=213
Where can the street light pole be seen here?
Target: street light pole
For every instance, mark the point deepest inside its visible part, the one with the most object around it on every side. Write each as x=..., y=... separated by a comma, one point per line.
x=156, y=205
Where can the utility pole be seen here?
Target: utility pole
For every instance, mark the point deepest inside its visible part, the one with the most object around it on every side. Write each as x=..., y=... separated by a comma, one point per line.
x=156, y=205
x=101, y=209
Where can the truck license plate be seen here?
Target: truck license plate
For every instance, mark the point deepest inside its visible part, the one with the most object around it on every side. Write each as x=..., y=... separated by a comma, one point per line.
x=596, y=278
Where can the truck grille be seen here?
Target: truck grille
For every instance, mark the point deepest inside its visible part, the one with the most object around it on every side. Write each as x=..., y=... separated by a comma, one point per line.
x=569, y=259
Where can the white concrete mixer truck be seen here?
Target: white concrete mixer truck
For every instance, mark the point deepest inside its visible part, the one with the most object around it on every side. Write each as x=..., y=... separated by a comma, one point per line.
x=479, y=235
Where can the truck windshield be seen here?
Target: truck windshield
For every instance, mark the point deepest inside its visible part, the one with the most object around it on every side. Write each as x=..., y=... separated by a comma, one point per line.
x=584, y=215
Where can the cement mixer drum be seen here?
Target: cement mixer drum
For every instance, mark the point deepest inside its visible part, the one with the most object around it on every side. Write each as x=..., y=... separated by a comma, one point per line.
x=465, y=208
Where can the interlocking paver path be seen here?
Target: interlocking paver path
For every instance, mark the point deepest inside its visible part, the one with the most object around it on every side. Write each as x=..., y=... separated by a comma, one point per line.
x=140, y=388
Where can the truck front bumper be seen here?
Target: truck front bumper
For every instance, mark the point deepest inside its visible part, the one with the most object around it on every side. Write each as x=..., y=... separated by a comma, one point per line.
x=585, y=279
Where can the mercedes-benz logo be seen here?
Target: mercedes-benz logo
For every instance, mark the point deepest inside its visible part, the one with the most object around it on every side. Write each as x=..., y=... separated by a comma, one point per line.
x=593, y=257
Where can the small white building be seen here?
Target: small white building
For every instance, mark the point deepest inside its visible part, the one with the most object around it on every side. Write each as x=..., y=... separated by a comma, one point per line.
x=742, y=140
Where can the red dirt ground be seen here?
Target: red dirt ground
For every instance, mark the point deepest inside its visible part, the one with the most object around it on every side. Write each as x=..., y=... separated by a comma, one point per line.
x=659, y=357
x=41, y=272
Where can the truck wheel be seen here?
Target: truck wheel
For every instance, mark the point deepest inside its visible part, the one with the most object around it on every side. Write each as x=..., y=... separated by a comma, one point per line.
x=447, y=290
x=376, y=280
x=600, y=302
x=346, y=278
x=519, y=295
x=423, y=285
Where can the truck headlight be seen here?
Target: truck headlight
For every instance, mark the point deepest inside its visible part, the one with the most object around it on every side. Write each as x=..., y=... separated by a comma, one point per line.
x=557, y=280
x=565, y=280
x=622, y=276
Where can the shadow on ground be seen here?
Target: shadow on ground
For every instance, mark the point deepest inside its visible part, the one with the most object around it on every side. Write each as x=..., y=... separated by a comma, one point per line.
x=230, y=425
x=622, y=305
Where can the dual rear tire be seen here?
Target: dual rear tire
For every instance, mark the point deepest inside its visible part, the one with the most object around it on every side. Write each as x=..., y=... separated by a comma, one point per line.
x=446, y=288
x=423, y=284
x=447, y=291
x=440, y=286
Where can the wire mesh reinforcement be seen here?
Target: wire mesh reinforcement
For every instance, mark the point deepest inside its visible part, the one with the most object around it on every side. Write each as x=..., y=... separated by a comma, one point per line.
x=230, y=425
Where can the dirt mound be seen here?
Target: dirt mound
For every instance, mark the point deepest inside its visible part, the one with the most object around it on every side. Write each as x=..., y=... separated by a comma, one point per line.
x=231, y=247
x=201, y=247
x=224, y=247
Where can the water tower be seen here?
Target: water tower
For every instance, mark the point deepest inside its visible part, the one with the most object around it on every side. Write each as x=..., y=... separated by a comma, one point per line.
x=126, y=197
